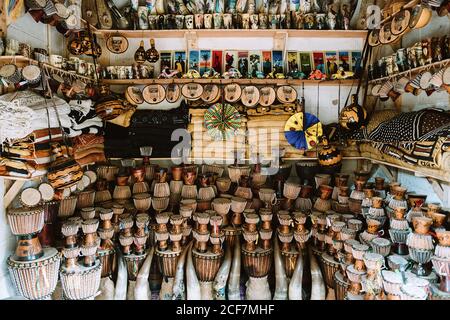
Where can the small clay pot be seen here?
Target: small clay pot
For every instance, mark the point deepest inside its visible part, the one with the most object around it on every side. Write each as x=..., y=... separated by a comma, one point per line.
x=138, y=174
x=362, y=175
x=325, y=192
x=392, y=187
x=399, y=213
x=122, y=180
x=438, y=219
x=101, y=185
x=379, y=183
x=212, y=177
x=377, y=202
x=161, y=175
x=340, y=179
x=359, y=185
x=244, y=181
x=431, y=209
x=177, y=173
x=203, y=205
x=223, y=184
x=189, y=177
x=416, y=200
x=343, y=191
x=373, y=226
x=399, y=193
x=369, y=193
x=443, y=238
x=306, y=191
x=422, y=225
x=203, y=180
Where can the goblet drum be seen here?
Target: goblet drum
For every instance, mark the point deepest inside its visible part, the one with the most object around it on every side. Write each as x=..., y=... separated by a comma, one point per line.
x=26, y=223
x=36, y=279
x=142, y=201
x=82, y=284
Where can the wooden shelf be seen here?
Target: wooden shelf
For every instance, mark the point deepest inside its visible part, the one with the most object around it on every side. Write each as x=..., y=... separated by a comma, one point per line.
x=409, y=72
x=292, y=82
x=417, y=172
x=22, y=61
x=236, y=33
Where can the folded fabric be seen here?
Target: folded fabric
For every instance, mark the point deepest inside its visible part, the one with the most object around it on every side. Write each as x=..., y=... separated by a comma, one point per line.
x=92, y=158
x=83, y=153
x=94, y=122
x=86, y=140
x=52, y=122
x=74, y=133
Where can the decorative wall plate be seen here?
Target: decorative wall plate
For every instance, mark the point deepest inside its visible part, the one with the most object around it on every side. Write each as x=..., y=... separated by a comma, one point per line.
x=134, y=95
x=286, y=94
x=154, y=93
x=420, y=16
x=192, y=91
x=400, y=22
x=386, y=35
x=250, y=96
x=173, y=92
x=267, y=97
x=117, y=43
x=232, y=92
x=211, y=93
x=302, y=130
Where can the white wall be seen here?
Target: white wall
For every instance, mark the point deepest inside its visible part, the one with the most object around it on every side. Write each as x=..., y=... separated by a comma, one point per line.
x=7, y=246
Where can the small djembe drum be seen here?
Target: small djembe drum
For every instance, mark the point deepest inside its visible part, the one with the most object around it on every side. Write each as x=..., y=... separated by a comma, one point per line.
x=285, y=235
x=168, y=255
x=106, y=252
x=420, y=244
x=256, y=259
x=392, y=283
x=140, y=185
x=142, y=201
x=122, y=191
x=207, y=253
x=81, y=280
x=303, y=202
x=373, y=262
x=108, y=173
x=323, y=203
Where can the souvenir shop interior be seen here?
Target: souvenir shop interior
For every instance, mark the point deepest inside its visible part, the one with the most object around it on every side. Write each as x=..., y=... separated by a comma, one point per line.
x=224, y=150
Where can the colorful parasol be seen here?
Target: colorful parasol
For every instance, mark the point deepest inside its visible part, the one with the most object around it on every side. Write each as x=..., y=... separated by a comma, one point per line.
x=302, y=130
x=222, y=121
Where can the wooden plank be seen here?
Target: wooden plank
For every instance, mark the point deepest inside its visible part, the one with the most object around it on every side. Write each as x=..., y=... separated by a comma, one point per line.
x=13, y=192
x=293, y=82
x=236, y=33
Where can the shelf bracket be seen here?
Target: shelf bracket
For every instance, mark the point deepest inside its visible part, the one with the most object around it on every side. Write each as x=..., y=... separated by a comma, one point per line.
x=280, y=40
x=191, y=40
x=390, y=174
